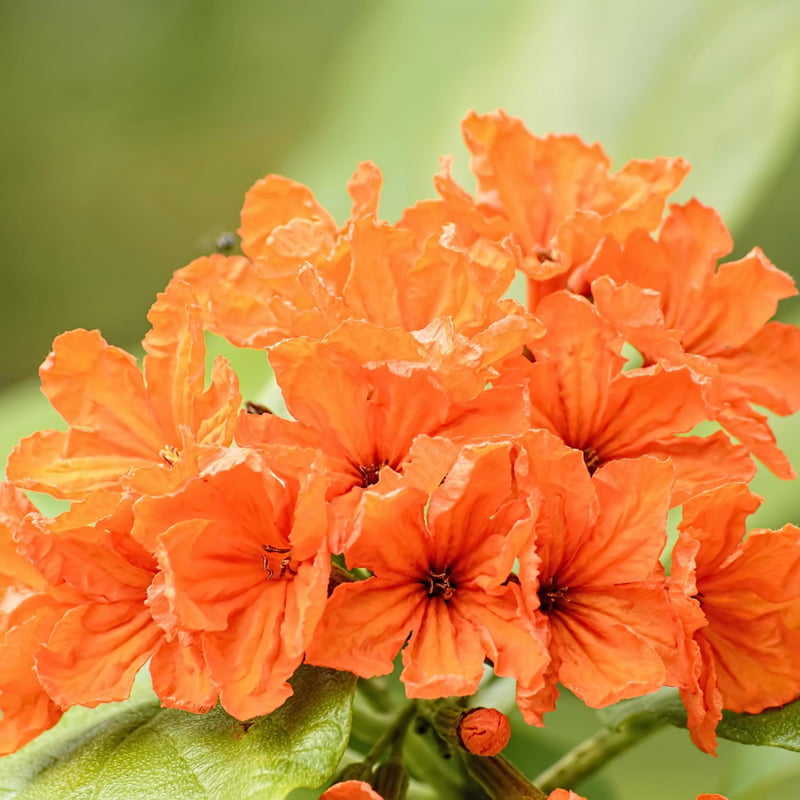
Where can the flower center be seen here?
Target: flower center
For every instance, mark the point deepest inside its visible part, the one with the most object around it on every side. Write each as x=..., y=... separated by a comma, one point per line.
x=698, y=597
x=170, y=454
x=440, y=585
x=277, y=562
x=256, y=408
x=591, y=459
x=552, y=596
x=371, y=474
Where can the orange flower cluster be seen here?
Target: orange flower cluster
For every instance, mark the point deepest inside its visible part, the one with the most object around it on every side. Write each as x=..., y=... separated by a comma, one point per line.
x=462, y=478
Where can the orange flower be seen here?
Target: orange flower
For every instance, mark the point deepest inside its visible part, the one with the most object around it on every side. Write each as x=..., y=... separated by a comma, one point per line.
x=484, y=731
x=100, y=641
x=593, y=578
x=28, y=610
x=579, y=391
x=304, y=277
x=555, y=196
x=245, y=564
x=26, y=706
x=738, y=603
x=440, y=566
x=126, y=427
x=670, y=301
x=350, y=790
x=563, y=794
x=362, y=398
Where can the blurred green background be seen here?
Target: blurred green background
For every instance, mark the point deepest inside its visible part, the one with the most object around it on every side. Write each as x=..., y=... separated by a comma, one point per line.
x=132, y=129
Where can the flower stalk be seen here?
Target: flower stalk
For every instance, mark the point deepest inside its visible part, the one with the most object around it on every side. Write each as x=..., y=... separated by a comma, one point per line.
x=595, y=752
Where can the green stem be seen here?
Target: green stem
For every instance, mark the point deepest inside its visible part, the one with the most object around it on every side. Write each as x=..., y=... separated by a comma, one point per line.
x=596, y=751
x=394, y=733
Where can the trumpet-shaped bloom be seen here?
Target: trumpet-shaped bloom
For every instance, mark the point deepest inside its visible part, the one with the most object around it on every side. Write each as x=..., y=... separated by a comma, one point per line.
x=738, y=602
x=29, y=608
x=125, y=426
x=669, y=299
x=440, y=567
x=579, y=391
x=304, y=277
x=592, y=576
x=555, y=197
x=243, y=552
x=105, y=635
x=355, y=398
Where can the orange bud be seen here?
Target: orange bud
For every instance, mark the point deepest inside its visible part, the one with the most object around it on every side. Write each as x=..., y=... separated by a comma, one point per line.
x=484, y=731
x=351, y=790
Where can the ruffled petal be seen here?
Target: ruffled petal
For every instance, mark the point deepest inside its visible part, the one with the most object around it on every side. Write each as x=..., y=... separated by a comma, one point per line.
x=765, y=367
x=630, y=532
x=94, y=652
x=99, y=387
x=444, y=657
x=248, y=660
x=703, y=463
x=364, y=626
x=283, y=224
x=364, y=188
x=602, y=658
x=180, y=675
x=27, y=709
x=515, y=648
x=72, y=464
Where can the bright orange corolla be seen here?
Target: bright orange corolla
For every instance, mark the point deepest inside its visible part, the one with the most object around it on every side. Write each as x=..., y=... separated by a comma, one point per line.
x=671, y=301
x=739, y=602
x=243, y=553
x=440, y=567
x=592, y=575
x=580, y=390
x=553, y=197
x=126, y=427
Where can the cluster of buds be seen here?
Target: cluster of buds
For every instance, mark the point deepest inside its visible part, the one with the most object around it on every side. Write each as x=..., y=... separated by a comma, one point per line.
x=462, y=477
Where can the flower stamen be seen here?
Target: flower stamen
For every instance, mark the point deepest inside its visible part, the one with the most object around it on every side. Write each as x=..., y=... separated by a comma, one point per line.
x=551, y=596
x=439, y=585
x=170, y=454
x=591, y=459
x=371, y=474
x=284, y=566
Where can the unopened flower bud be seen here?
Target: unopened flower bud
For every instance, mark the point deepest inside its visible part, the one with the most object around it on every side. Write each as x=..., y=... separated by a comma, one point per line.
x=350, y=790
x=391, y=780
x=484, y=731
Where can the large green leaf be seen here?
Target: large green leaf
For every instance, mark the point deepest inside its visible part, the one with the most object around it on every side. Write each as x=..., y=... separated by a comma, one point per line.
x=775, y=727
x=137, y=749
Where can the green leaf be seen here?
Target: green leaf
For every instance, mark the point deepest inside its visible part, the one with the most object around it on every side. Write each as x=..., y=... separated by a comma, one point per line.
x=137, y=749
x=775, y=727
